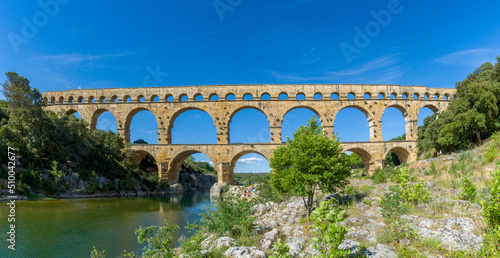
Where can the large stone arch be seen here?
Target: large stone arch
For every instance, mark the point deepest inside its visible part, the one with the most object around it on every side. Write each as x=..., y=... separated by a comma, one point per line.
x=96, y=115
x=235, y=111
x=130, y=116
x=406, y=116
x=140, y=155
x=302, y=106
x=174, y=166
x=402, y=153
x=242, y=153
x=365, y=156
x=372, y=124
x=172, y=119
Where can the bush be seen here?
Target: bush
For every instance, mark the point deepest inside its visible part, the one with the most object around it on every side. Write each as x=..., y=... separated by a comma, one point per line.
x=379, y=176
x=491, y=207
x=393, y=206
x=329, y=234
x=267, y=193
x=158, y=244
x=468, y=190
x=280, y=250
x=415, y=193
x=491, y=153
x=228, y=215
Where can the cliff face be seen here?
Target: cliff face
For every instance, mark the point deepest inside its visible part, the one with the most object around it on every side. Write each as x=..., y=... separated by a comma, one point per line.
x=196, y=181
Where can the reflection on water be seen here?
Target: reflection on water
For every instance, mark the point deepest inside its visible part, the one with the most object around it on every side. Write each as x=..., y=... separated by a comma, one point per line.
x=61, y=228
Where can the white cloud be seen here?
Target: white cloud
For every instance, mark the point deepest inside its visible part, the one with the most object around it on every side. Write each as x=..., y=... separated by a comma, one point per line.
x=78, y=59
x=472, y=57
x=384, y=70
x=251, y=160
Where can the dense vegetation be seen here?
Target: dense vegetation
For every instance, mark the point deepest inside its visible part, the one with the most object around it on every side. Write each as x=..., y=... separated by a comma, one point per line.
x=471, y=117
x=50, y=147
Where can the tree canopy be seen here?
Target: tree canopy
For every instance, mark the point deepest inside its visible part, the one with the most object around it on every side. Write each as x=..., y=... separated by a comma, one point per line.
x=471, y=117
x=309, y=162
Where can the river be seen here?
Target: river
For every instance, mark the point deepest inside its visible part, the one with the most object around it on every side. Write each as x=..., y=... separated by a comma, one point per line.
x=70, y=228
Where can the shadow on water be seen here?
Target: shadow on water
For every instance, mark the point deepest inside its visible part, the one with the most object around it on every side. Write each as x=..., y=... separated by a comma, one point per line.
x=60, y=228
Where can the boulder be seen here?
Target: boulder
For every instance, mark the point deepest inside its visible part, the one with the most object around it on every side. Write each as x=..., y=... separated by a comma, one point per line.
x=245, y=252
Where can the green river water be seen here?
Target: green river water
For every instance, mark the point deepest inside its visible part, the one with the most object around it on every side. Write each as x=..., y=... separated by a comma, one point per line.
x=70, y=228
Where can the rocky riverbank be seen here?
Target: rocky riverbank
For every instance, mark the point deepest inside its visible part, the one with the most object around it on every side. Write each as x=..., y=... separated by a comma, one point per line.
x=72, y=187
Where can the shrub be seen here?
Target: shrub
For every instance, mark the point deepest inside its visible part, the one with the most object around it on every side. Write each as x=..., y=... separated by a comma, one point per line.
x=349, y=189
x=491, y=153
x=280, y=250
x=491, y=207
x=415, y=193
x=228, y=215
x=468, y=190
x=379, y=177
x=97, y=254
x=267, y=193
x=158, y=244
x=393, y=206
x=329, y=234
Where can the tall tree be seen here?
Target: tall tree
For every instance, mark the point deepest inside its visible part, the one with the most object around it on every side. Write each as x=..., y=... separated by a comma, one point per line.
x=309, y=162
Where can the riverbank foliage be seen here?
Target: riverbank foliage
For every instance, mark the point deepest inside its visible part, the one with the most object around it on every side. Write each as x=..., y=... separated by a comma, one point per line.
x=50, y=147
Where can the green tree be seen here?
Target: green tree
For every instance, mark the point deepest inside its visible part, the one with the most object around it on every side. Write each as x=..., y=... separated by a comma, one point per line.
x=159, y=242
x=309, y=162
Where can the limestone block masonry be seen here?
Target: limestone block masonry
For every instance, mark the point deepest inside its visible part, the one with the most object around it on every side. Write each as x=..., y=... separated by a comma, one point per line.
x=222, y=102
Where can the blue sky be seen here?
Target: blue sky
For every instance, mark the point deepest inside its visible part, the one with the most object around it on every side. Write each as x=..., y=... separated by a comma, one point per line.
x=65, y=44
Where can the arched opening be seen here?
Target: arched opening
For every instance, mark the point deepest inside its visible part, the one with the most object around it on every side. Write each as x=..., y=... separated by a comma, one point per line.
x=248, y=96
x=155, y=98
x=193, y=127
x=102, y=99
x=127, y=98
x=357, y=154
x=294, y=118
x=52, y=100
x=351, y=125
x=283, y=96
x=230, y=96
x=198, y=97
x=70, y=100
x=141, y=98
x=396, y=156
x=81, y=99
x=91, y=99
x=367, y=95
x=114, y=99
x=148, y=167
x=393, y=123
x=416, y=96
x=249, y=125
x=351, y=95
x=426, y=96
x=318, y=96
x=265, y=96
x=334, y=96
x=214, y=97
x=61, y=100
x=436, y=96
x=189, y=162
x=393, y=96
x=248, y=166
x=381, y=95
x=74, y=113
x=141, y=124
x=300, y=96
x=169, y=98
x=425, y=112
x=183, y=97
x=405, y=95
x=445, y=96
x=104, y=120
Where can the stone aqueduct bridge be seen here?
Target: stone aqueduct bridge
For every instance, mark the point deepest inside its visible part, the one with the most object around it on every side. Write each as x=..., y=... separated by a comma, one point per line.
x=325, y=100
